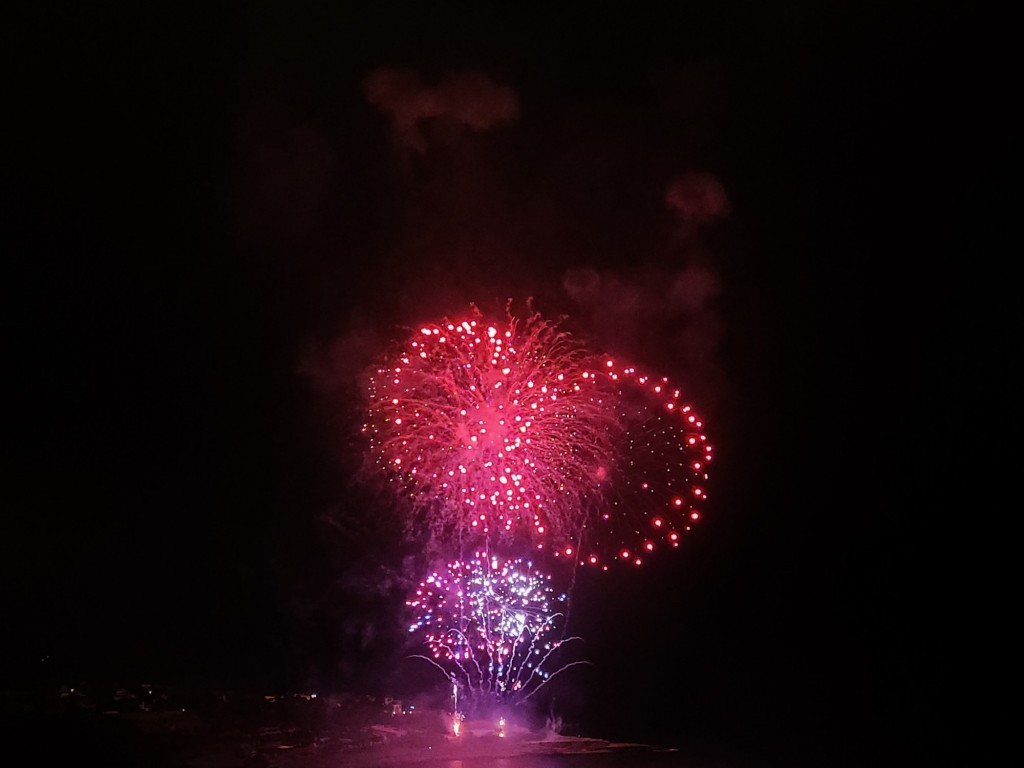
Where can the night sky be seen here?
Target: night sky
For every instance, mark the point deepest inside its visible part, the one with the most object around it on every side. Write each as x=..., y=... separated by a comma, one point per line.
x=211, y=221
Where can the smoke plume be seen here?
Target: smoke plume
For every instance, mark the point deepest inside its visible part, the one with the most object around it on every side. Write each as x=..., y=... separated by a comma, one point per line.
x=468, y=99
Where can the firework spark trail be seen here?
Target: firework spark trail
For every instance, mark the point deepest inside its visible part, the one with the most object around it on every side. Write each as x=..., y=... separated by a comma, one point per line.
x=494, y=621
x=515, y=432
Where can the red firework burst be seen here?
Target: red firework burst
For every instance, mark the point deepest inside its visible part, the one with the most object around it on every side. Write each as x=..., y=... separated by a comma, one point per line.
x=513, y=431
x=659, y=477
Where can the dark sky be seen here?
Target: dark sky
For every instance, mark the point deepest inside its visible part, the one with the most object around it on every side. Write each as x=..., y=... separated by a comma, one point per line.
x=210, y=221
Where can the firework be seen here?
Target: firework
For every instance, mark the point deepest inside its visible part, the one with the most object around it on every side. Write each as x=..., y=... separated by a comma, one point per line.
x=499, y=432
x=493, y=429
x=493, y=625
x=658, y=482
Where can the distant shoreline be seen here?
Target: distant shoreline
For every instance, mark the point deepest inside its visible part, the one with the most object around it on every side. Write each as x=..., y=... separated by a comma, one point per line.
x=292, y=732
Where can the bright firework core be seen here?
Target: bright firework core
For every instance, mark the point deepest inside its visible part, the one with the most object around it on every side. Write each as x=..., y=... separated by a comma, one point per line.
x=492, y=625
x=514, y=433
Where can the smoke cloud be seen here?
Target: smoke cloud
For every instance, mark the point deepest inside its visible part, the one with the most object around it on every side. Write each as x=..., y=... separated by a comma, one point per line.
x=468, y=99
x=697, y=197
x=665, y=313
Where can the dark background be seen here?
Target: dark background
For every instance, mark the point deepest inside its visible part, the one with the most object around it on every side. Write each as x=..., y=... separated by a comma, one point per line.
x=207, y=228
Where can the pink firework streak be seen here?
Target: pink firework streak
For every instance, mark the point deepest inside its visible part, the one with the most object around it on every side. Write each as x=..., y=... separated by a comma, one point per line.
x=514, y=431
x=492, y=625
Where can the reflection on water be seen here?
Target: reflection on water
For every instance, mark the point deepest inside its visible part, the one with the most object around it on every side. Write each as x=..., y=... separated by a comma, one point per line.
x=628, y=759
